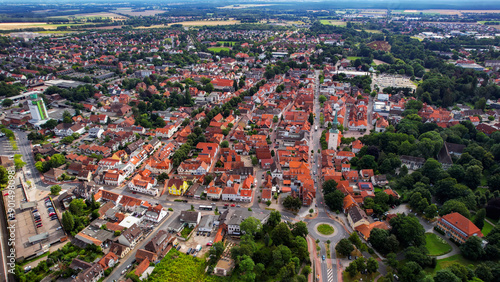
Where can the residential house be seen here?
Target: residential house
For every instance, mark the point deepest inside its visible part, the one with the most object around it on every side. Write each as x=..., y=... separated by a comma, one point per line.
x=131, y=236
x=356, y=217
x=176, y=186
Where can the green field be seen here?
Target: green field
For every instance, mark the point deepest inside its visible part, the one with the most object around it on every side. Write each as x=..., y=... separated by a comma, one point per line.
x=486, y=228
x=436, y=245
x=333, y=22
x=218, y=49
x=352, y=58
x=325, y=229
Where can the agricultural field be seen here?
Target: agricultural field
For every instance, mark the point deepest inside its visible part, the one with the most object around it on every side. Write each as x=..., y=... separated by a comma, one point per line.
x=135, y=13
x=112, y=16
x=243, y=6
x=24, y=25
x=333, y=22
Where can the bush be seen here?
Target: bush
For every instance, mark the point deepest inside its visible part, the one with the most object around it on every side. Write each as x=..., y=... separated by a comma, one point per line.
x=170, y=209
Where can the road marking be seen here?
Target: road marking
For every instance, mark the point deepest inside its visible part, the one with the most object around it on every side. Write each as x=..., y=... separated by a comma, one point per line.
x=329, y=274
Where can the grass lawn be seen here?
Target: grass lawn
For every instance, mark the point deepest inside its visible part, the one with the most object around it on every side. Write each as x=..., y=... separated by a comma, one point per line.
x=359, y=277
x=486, y=228
x=444, y=263
x=352, y=58
x=436, y=245
x=378, y=189
x=325, y=229
x=218, y=49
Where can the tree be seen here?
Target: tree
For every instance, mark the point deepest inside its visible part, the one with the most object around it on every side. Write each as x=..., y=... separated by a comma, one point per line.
x=472, y=248
x=250, y=225
x=77, y=206
x=479, y=219
x=446, y=275
x=411, y=271
x=334, y=200
x=246, y=266
x=382, y=241
x=352, y=269
x=454, y=206
x=354, y=238
x=275, y=119
x=7, y=103
x=408, y=230
x=274, y=218
x=215, y=252
x=292, y=203
x=367, y=162
x=322, y=98
x=372, y=265
x=432, y=168
x=68, y=222
x=162, y=177
x=344, y=247
x=329, y=186
x=255, y=161
x=391, y=260
x=473, y=176
x=431, y=211
x=54, y=190
x=224, y=144
x=281, y=234
x=300, y=229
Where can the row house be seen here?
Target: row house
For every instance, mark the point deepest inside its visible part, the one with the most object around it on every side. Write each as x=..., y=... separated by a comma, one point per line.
x=193, y=167
x=235, y=193
x=67, y=129
x=113, y=178
x=144, y=184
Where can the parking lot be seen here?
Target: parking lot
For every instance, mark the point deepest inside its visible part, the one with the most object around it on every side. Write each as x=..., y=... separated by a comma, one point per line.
x=201, y=239
x=50, y=226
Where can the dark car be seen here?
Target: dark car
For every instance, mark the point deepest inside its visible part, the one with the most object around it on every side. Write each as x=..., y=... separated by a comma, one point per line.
x=189, y=251
x=178, y=247
x=192, y=251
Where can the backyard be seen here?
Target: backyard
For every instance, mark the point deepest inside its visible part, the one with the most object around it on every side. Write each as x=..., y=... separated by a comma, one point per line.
x=436, y=245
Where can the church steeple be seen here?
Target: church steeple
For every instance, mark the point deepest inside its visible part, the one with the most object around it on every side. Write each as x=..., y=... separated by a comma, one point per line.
x=335, y=124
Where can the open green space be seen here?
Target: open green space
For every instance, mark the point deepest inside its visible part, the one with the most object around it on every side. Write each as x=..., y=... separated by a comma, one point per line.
x=177, y=266
x=436, y=245
x=218, y=49
x=333, y=22
x=486, y=228
x=446, y=262
x=186, y=231
x=325, y=229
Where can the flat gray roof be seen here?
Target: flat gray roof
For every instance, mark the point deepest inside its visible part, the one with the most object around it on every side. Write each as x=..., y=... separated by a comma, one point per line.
x=39, y=237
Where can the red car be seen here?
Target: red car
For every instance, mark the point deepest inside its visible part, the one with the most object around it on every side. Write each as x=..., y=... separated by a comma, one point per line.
x=226, y=205
x=233, y=205
x=209, y=244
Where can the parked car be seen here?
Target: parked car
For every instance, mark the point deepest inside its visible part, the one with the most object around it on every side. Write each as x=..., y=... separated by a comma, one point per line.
x=233, y=205
x=34, y=211
x=209, y=244
x=189, y=251
x=192, y=251
x=324, y=257
x=226, y=205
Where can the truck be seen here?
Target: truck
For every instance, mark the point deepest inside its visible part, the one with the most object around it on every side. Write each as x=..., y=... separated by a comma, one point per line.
x=198, y=248
x=316, y=128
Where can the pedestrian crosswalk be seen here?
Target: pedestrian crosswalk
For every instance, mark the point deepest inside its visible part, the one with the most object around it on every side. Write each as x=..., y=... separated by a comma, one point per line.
x=329, y=274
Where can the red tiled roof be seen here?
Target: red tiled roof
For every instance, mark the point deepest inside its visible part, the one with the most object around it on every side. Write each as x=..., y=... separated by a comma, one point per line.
x=462, y=223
